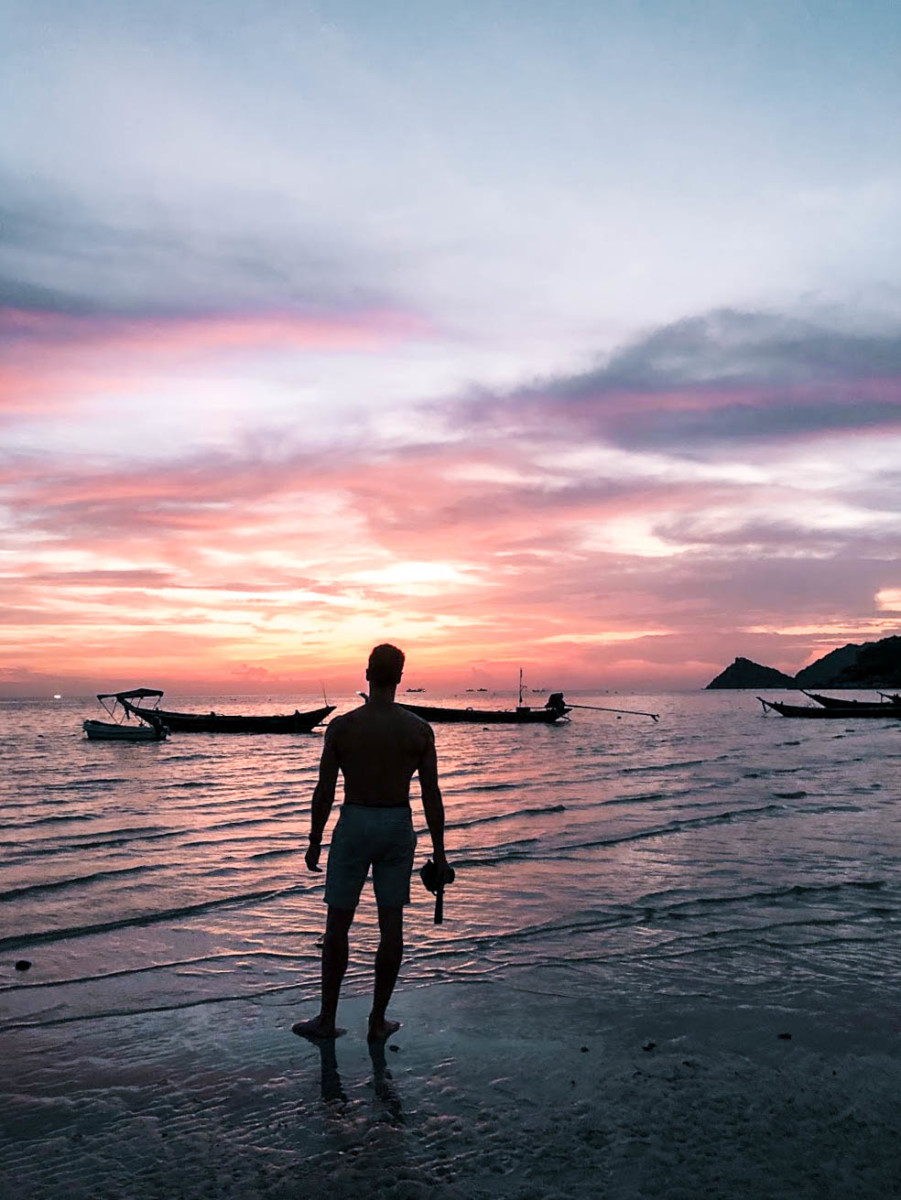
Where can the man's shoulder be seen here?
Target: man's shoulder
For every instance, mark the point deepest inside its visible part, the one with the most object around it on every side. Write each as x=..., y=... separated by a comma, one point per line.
x=421, y=724
x=410, y=719
x=395, y=715
x=344, y=720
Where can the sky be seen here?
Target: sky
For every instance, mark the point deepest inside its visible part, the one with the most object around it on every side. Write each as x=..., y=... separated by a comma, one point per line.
x=556, y=336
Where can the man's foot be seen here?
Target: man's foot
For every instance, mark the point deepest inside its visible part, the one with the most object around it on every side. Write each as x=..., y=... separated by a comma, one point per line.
x=319, y=1029
x=380, y=1031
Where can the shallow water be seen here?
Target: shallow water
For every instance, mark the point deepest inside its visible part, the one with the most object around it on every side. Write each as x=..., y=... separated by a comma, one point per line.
x=642, y=913
x=716, y=849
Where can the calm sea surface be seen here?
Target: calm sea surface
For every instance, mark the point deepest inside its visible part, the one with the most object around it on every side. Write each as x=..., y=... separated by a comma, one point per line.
x=719, y=853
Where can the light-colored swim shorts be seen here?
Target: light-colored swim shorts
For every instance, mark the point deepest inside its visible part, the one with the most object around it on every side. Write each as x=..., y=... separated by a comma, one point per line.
x=381, y=838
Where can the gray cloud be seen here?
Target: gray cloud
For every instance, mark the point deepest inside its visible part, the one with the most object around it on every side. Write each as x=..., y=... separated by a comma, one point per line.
x=725, y=377
x=61, y=256
x=728, y=347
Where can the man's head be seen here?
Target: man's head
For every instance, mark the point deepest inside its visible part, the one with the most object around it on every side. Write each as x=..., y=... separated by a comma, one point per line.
x=386, y=665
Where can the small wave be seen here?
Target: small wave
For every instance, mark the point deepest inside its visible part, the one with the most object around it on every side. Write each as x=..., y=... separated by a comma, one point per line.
x=35, y=889
x=146, y=1010
x=673, y=765
x=42, y=936
x=83, y=782
x=175, y=964
x=39, y=850
x=789, y=795
x=52, y=819
x=514, y=853
x=508, y=816
x=679, y=827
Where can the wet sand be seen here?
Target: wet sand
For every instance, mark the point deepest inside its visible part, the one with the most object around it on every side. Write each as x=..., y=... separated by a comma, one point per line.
x=487, y=1090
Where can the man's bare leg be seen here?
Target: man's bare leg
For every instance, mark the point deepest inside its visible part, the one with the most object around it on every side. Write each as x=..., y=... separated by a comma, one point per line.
x=334, y=965
x=387, y=964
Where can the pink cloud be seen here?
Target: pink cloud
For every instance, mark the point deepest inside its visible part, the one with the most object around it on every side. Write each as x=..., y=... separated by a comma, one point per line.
x=52, y=359
x=278, y=563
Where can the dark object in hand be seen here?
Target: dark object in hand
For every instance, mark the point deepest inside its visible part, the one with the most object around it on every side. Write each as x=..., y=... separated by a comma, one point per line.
x=429, y=876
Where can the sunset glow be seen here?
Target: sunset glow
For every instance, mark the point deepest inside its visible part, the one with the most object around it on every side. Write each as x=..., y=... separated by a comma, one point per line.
x=505, y=380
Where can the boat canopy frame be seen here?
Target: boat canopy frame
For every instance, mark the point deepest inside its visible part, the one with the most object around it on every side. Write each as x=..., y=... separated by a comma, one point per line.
x=123, y=717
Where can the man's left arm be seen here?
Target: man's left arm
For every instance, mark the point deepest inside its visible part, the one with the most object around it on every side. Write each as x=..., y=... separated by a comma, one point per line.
x=323, y=799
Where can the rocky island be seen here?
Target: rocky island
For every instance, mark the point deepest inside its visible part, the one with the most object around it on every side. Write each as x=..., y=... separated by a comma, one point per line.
x=867, y=665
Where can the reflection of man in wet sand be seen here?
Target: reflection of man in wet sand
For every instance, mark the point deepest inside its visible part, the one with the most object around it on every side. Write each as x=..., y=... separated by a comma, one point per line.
x=378, y=748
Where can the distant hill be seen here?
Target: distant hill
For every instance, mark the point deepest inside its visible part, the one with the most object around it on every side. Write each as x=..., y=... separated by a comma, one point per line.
x=746, y=674
x=868, y=665
x=877, y=665
x=826, y=670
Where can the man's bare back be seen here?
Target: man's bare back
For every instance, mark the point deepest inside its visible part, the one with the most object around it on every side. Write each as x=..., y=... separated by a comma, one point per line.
x=378, y=749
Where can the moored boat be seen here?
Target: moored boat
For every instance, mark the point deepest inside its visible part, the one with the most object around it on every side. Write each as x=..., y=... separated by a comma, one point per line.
x=845, y=703
x=213, y=722
x=111, y=731
x=150, y=727
x=554, y=710
x=884, y=711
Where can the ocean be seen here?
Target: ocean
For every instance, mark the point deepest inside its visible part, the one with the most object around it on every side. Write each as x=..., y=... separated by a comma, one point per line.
x=717, y=861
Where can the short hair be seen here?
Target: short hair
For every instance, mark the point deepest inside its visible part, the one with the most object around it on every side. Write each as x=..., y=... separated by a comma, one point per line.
x=386, y=665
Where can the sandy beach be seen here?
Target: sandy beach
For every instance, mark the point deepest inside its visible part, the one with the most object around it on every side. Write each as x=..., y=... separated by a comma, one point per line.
x=486, y=1091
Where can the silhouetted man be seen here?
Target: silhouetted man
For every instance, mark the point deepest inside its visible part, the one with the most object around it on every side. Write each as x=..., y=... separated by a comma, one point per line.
x=378, y=748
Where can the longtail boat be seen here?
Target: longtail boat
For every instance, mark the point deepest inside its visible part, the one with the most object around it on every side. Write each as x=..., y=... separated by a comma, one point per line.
x=554, y=710
x=181, y=722
x=843, y=703
x=885, y=711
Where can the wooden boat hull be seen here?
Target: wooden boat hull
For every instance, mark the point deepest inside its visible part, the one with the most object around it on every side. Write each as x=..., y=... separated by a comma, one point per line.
x=106, y=731
x=853, y=705
x=877, y=711
x=178, y=722
x=522, y=715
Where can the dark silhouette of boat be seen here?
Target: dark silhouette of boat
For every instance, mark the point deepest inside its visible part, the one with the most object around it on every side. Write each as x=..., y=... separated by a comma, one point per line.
x=848, y=711
x=180, y=722
x=846, y=702
x=150, y=728
x=553, y=711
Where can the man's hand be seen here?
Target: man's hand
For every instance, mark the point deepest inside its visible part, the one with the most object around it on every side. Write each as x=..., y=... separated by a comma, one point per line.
x=312, y=857
x=437, y=874
x=445, y=872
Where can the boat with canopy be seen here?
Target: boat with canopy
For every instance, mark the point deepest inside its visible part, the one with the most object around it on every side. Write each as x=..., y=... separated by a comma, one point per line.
x=149, y=727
